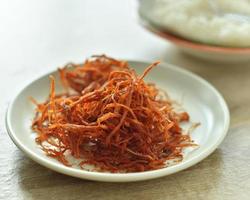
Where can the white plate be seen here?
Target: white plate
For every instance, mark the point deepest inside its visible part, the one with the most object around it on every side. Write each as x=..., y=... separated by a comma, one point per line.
x=201, y=100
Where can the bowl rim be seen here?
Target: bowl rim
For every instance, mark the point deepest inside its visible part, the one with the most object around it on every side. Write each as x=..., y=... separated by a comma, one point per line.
x=180, y=41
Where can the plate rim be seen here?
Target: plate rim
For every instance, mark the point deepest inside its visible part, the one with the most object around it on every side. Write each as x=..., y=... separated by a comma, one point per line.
x=126, y=177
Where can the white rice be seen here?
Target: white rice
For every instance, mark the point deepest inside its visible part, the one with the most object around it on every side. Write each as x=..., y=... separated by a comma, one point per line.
x=215, y=22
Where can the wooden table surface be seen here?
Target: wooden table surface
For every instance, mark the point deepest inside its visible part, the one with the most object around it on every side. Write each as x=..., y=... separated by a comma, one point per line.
x=38, y=36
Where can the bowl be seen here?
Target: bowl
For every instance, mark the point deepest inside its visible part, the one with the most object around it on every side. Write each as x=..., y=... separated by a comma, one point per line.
x=200, y=50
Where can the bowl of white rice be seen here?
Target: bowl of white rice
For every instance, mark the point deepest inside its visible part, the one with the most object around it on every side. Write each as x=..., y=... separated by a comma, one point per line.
x=212, y=29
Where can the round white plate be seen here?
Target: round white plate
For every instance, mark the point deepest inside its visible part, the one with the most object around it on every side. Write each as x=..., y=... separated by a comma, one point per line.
x=200, y=99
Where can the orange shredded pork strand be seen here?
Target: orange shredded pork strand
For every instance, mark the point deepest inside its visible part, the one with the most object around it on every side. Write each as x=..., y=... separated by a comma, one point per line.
x=116, y=122
x=92, y=74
